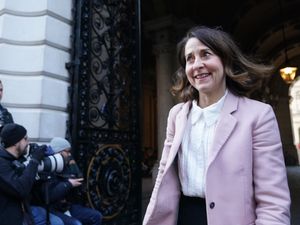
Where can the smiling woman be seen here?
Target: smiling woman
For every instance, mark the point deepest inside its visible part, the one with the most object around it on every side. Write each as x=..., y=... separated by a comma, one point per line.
x=242, y=74
x=218, y=137
x=204, y=71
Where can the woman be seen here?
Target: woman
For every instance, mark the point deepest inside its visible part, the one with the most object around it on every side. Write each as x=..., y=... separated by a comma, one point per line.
x=222, y=162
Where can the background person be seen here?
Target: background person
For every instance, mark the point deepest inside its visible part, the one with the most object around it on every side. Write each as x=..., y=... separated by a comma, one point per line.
x=70, y=210
x=16, y=180
x=222, y=161
x=5, y=116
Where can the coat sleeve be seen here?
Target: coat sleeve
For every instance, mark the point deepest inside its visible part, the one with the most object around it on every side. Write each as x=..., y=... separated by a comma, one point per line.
x=59, y=190
x=269, y=173
x=14, y=184
x=52, y=190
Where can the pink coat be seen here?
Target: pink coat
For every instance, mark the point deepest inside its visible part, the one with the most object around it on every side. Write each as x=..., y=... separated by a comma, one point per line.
x=246, y=180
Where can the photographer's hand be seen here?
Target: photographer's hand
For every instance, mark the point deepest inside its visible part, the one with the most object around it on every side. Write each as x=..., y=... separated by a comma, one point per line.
x=75, y=182
x=38, y=154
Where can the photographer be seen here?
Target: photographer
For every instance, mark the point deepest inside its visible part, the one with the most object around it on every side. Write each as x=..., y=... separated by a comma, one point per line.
x=66, y=208
x=16, y=180
x=5, y=116
x=42, y=189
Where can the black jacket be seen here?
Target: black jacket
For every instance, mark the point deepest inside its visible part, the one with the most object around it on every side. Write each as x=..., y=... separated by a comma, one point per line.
x=58, y=189
x=47, y=191
x=5, y=116
x=15, y=187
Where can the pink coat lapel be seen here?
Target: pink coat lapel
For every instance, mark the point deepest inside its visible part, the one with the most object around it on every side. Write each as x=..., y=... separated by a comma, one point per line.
x=180, y=123
x=225, y=126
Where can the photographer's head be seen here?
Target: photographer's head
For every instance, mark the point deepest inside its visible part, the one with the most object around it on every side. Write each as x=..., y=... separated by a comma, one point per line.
x=62, y=146
x=14, y=139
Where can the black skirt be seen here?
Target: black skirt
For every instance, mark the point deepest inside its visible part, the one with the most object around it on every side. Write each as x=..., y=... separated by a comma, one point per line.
x=192, y=211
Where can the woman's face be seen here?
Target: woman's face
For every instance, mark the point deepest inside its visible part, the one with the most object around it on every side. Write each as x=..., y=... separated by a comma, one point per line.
x=204, y=69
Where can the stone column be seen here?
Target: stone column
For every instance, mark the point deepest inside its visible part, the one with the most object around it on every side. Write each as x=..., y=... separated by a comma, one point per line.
x=162, y=34
x=165, y=33
x=35, y=45
x=164, y=70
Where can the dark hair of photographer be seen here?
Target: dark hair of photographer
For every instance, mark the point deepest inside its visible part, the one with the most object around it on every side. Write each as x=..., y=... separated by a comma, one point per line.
x=16, y=181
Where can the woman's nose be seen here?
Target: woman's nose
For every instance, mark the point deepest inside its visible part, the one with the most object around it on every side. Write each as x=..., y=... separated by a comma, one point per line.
x=198, y=63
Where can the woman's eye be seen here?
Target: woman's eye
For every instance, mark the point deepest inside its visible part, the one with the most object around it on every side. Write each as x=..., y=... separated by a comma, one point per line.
x=188, y=58
x=206, y=53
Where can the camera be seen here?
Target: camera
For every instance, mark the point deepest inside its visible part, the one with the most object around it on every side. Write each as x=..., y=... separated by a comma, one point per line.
x=51, y=162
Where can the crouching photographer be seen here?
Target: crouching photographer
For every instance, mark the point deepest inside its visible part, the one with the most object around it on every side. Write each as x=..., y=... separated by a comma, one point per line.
x=68, y=208
x=16, y=181
x=44, y=188
x=50, y=187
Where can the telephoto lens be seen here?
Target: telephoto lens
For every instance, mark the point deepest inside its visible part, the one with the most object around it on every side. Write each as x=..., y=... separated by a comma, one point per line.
x=51, y=162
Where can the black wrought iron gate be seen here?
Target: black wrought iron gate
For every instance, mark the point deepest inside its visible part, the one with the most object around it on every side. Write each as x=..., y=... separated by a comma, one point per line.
x=104, y=118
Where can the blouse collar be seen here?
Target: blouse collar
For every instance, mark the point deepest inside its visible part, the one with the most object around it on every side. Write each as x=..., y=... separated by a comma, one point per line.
x=210, y=113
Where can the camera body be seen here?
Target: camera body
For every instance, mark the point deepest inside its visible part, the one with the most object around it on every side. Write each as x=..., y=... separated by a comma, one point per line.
x=51, y=162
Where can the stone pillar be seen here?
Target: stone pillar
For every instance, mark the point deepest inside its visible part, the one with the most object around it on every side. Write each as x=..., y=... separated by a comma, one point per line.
x=35, y=45
x=164, y=33
x=164, y=70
